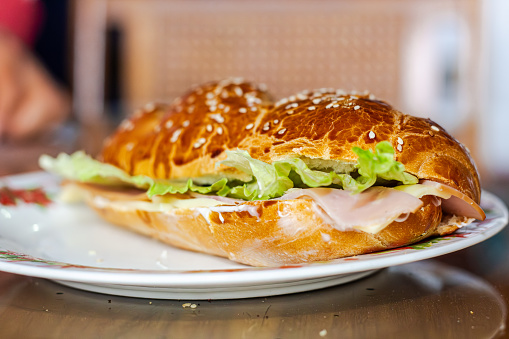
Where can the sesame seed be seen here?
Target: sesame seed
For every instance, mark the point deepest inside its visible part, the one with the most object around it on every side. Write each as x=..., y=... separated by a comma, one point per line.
x=212, y=102
x=400, y=141
x=150, y=107
x=301, y=96
x=311, y=108
x=168, y=124
x=252, y=99
x=266, y=128
x=226, y=109
x=199, y=143
x=249, y=126
x=175, y=135
x=317, y=101
x=191, y=99
x=221, y=106
x=238, y=91
x=209, y=95
x=127, y=125
x=357, y=107
x=253, y=109
x=219, y=130
x=435, y=128
x=281, y=102
x=335, y=105
x=242, y=110
x=371, y=135
x=217, y=117
x=212, y=108
x=186, y=123
x=289, y=112
x=399, y=147
x=371, y=97
x=292, y=98
x=224, y=94
x=190, y=109
x=129, y=146
x=209, y=128
x=262, y=87
x=177, y=101
x=282, y=131
x=329, y=106
x=276, y=121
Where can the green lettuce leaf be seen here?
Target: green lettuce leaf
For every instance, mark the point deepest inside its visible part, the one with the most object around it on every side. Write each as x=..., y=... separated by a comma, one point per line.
x=268, y=180
x=380, y=165
x=81, y=167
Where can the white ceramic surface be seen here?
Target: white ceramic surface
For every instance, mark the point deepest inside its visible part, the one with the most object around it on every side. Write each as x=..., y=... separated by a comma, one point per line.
x=71, y=245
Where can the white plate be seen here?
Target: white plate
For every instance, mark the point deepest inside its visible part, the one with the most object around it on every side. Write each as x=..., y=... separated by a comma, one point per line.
x=71, y=245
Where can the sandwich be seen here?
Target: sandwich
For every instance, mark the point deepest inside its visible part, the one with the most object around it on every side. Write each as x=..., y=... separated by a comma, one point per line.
x=316, y=176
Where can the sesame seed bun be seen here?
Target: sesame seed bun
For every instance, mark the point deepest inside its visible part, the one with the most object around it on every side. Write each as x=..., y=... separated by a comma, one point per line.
x=187, y=138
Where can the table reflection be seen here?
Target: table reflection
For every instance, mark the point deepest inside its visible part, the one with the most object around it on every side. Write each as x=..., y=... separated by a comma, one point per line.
x=426, y=299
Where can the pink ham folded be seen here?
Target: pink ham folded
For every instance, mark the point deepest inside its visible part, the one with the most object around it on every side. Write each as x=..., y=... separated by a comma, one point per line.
x=368, y=211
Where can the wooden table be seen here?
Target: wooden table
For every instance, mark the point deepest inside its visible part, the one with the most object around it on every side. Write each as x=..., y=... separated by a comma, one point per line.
x=460, y=295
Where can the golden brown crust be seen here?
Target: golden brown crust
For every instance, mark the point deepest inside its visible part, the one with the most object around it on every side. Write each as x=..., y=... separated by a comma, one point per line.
x=193, y=134
x=269, y=233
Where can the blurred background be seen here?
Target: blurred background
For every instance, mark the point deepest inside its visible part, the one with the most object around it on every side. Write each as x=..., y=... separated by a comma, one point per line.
x=442, y=59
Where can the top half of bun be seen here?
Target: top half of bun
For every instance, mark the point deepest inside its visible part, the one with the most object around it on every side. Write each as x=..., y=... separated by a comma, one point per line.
x=187, y=138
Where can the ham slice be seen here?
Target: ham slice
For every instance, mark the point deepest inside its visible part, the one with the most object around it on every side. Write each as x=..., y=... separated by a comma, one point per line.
x=458, y=203
x=369, y=211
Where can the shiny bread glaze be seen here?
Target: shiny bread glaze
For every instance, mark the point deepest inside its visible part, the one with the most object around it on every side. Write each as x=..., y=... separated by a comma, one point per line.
x=187, y=138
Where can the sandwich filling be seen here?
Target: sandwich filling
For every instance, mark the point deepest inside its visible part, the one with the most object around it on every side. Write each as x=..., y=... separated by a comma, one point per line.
x=375, y=193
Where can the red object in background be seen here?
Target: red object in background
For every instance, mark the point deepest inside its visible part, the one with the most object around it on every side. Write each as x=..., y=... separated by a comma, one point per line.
x=11, y=197
x=21, y=17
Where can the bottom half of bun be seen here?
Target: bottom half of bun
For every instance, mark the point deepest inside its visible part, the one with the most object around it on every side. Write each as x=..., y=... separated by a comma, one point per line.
x=272, y=233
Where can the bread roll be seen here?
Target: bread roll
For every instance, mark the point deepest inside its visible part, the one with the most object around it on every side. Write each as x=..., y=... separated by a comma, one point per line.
x=187, y=139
